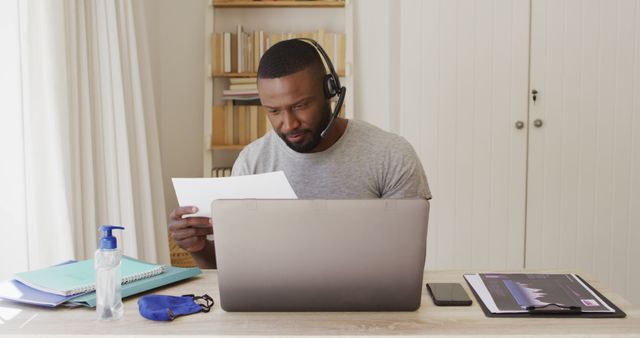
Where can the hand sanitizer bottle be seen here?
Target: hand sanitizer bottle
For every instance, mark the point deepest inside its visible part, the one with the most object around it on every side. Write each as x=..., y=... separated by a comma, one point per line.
x=108, y=276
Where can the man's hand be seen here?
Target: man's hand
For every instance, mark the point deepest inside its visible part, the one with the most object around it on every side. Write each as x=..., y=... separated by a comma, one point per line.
x=190, y=233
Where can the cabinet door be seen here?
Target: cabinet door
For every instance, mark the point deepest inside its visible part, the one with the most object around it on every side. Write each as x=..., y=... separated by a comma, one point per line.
x=461, y=96
x=583, y=206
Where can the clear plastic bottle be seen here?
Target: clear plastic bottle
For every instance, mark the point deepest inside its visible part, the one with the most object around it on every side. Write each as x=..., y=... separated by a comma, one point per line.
x=108, y=276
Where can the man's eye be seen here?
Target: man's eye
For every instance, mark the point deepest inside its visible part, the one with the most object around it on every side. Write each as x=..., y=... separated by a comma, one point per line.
x=298, y=107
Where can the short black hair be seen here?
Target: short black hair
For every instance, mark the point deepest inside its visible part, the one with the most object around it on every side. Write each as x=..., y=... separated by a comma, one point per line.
x=287, y=57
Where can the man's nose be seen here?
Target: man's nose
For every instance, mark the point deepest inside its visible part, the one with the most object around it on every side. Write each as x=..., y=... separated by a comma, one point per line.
x=290, y=122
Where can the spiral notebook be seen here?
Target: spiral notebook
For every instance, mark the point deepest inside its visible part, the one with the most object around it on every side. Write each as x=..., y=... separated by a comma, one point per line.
x=80, y=277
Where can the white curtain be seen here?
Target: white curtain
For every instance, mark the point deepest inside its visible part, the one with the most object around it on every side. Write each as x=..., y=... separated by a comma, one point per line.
x=85, y=136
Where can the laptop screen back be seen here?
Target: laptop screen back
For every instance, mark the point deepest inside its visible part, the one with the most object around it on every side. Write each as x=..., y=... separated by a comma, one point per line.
x=320, y=255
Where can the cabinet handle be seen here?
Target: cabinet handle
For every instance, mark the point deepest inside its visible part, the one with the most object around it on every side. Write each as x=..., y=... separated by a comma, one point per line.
x=537, y=123
x=519, y=125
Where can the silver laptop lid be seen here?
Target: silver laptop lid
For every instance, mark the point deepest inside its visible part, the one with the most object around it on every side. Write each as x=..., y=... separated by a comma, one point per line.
x=320, y=255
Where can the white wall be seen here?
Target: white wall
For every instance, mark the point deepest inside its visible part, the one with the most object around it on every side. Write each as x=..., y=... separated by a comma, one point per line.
x=376, y=66
x=176, y=43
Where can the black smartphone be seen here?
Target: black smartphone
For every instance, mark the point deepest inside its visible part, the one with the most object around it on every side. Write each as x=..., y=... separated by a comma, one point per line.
x=448, y=294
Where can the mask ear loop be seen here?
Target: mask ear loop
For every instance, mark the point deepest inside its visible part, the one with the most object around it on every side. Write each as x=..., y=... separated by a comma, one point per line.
x=171, y=315
x=205, y=301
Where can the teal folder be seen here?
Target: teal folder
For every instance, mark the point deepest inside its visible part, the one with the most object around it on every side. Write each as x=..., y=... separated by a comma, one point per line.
x=170, y=275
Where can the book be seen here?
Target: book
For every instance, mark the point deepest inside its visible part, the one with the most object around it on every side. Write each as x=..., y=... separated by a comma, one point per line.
x=263, y=43
x=239, y=46
x=217, y=128
x=240, y=92
x=244, y=86
x=256, y=50
x=228, y=122
x=328, y=46
x=236, y=129
x=243, y=80
x=242, y=125
x=78, y=277
x=320, y=38
x=262, y=120
x=217, y=53
x=246, y=53
x=267, y=122
x=253, y=123
x=341, y=53
x=226, y=47
x=15, y=291
x=274, y=38
x=234, y=52
x=247, y=102
x=171, y=274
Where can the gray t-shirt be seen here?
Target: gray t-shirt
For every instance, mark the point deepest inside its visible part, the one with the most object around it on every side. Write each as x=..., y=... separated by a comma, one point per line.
x=366, y=162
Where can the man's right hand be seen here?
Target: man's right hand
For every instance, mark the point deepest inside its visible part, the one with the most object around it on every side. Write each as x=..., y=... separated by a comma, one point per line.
x=190, y=233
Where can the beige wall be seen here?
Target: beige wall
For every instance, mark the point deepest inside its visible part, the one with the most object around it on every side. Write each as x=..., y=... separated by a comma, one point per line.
x=176, y=34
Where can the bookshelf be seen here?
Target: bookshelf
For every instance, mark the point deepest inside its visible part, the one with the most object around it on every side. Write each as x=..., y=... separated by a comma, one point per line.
x=278, y=20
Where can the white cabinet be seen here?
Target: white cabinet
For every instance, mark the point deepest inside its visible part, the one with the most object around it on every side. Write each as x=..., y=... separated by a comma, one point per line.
x=583, y=196
x=461, y=97
x=563, y=191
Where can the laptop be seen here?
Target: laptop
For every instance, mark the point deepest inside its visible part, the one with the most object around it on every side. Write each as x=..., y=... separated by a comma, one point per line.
x=320, y=255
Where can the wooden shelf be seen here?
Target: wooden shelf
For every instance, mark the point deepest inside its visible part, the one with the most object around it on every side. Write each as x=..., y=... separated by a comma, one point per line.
x=229, y=75
x=277, y=4
x=228, y=146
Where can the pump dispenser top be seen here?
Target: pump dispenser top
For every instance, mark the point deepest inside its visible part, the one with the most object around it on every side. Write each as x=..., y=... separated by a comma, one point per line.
x=108, y=241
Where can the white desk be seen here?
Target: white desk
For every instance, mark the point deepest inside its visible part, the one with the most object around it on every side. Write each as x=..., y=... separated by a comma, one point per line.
x=20, y=320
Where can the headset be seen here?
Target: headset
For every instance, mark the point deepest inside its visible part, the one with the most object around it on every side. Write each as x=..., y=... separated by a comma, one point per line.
x=331, y=84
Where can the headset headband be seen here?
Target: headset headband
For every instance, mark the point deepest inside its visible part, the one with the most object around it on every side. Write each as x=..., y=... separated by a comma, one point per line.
x=326, y=59
x=331, y=85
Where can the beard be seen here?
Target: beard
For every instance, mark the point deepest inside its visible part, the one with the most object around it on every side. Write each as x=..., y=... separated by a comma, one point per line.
x=308, y=146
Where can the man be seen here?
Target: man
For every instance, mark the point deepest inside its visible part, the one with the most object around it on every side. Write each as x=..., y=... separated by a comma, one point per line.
x=352, y=160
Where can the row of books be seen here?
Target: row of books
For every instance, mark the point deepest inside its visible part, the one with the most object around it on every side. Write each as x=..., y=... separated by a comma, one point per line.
x=240, y=51
x=221, y=172
x=238, y=124
x=241, y=89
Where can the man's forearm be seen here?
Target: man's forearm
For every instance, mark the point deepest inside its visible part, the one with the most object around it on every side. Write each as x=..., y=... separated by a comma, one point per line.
x=206, y=258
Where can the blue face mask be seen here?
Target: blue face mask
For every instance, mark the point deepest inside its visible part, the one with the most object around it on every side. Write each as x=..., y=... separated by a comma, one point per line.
x=167, y=308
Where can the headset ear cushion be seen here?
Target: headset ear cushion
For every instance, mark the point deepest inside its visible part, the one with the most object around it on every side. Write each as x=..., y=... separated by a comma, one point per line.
x=329, y=86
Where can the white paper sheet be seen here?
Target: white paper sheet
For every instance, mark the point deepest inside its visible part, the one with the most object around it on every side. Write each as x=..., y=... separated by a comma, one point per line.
x=476, y=283
x=202, y=191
